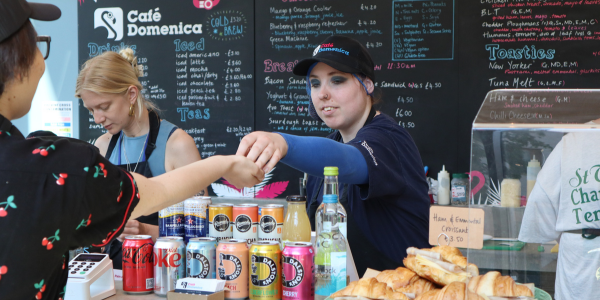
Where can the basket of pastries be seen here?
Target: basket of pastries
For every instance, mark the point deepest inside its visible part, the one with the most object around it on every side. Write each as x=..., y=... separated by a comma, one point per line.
x=438, y=273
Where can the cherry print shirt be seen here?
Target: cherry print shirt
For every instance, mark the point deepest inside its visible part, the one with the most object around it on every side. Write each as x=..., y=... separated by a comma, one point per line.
x=55, y=196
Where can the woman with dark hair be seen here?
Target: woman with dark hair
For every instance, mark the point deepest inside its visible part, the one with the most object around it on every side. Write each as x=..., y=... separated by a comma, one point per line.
x=60, y=195
x=383, y=185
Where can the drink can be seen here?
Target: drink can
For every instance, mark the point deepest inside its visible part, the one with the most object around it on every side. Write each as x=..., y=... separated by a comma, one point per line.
x=219, y=221
x=170, y=221
x=232, y=266
x=138, y=269
x=201, y=259
x=209, y=202
x=265, y=271
x=245, y=224
x=271, y=222
x=169, y=263
x=194, y=212
x=298, y=271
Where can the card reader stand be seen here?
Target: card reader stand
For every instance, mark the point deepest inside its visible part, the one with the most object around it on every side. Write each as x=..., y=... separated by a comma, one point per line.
x=90, y=277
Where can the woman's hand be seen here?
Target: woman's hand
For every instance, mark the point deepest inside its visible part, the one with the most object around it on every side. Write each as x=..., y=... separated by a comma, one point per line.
x=243, y=172
x=133, y=227
x=263, y=148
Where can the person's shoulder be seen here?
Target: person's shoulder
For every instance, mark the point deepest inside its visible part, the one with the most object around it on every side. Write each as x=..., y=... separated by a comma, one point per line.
x=383, y=124
x=180, y=143
x=102, y=143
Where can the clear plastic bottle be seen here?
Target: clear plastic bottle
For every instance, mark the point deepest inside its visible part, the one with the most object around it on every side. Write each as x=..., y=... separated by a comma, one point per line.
x=330, y=257
x=331, y=187
x=296, y=226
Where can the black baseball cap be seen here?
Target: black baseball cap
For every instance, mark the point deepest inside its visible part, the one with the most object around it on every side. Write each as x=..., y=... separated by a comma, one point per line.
x=341, y=53
x=14, y=13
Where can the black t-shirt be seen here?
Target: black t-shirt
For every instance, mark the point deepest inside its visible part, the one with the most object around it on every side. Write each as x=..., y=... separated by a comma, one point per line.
x=392, y=210
x=55, y=196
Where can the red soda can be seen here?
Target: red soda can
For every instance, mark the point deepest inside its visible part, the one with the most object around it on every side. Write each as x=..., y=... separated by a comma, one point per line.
x=298, y=271
x=138, y=270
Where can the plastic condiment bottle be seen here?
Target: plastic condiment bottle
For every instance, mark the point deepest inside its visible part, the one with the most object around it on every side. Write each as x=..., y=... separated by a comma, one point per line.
x=443, y=196
x=296, y=226
x=533, y=168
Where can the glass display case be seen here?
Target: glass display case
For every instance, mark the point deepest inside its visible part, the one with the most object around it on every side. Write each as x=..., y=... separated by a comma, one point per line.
x=535, y=172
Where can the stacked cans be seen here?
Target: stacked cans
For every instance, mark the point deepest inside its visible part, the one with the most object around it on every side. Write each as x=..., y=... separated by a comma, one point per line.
x=169, y=263
x=265, y=271
x=195, y=213
x=298, y=271
x=271, y=223
x=170, y=221
x=201, y=257
x=138, y=273
x=245, y=224
x=219, y=221
x=232, y=266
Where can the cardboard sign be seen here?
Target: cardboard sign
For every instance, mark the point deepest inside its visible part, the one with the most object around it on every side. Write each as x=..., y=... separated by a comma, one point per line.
x=456, y=226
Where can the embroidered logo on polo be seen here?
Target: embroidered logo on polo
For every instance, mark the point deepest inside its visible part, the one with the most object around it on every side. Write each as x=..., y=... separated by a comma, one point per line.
x=268, y=224
x=298, y=270
x=193, y=258
x=271, y=265
x=370, y=150
x=221, y=222
x=243, y=223
x=236, y=262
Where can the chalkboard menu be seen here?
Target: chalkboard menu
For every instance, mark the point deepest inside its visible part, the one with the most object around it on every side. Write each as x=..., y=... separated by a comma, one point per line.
x=197, y=58
x=435, y=61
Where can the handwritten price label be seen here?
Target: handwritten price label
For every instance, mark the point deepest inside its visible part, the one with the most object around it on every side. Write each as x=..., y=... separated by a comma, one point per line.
x=456, y=227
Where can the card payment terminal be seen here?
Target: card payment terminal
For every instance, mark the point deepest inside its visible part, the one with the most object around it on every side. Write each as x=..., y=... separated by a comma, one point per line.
x=90, y=277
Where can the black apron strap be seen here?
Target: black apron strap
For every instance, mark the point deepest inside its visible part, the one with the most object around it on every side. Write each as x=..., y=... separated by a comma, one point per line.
x=154, y=129
x=111, y=146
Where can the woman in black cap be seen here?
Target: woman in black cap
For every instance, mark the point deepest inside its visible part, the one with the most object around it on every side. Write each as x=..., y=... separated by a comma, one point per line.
x=58, y=195
x=383, y=185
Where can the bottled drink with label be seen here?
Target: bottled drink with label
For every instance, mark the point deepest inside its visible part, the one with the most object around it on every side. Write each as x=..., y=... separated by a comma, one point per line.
x=330, y=257
x=330, y=187
x=296, y=226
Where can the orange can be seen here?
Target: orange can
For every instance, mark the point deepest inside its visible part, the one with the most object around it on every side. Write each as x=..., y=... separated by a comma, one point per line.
x=245, y=222
x=271, y=222
x=232, y=266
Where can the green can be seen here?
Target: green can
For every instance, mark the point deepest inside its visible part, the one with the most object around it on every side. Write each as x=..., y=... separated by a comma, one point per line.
x=265, y=270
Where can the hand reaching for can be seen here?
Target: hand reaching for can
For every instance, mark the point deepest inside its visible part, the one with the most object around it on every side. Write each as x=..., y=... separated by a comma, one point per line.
x=134, y=227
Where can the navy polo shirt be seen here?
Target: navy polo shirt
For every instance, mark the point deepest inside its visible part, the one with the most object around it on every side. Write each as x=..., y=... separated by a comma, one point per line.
x=392, y=210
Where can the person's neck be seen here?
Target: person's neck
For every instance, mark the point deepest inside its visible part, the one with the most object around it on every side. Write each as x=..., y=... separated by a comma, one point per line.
x=349, y=134
x=138, y=125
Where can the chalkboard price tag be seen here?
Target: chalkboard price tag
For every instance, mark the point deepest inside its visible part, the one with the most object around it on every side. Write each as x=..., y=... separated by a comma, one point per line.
x=456, y=227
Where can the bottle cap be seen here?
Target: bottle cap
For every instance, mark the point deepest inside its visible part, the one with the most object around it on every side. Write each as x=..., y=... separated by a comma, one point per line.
x=330, y=198
x=295, y=198
x=331, y=171
x=534, y=163
x=460, y=175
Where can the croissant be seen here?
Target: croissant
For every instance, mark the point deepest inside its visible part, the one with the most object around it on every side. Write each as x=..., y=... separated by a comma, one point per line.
x=453, y=291
x=369, y=288
x=493, y=284
x=448, y=266
x=405, y=281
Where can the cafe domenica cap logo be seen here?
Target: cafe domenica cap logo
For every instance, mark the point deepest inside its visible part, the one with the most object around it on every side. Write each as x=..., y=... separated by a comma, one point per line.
x=221, y=222
x=141, y=23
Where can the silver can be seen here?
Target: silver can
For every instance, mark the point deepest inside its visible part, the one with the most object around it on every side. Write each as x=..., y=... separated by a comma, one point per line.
x=169, y=263
x=201, y=258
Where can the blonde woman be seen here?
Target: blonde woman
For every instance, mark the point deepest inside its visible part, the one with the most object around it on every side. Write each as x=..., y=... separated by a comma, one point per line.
x=137, y=139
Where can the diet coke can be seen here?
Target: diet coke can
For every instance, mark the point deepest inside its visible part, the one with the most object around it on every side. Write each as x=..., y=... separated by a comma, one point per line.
x=169, y=263
x=298, y=271
x=138, y=271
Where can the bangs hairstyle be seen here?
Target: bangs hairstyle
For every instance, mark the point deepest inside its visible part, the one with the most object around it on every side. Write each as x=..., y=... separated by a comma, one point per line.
x=112, y=73
x=17, y=54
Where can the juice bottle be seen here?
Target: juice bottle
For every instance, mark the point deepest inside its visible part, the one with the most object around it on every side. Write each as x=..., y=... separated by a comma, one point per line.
x=296, y=226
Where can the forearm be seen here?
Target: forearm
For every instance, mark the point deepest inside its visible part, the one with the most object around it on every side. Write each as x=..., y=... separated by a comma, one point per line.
x=312, y=154
x=151, y=230
x=175, y=186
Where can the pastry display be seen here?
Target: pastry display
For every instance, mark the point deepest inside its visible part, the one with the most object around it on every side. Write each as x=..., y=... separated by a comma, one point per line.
x=442, y=265
x=494, y=284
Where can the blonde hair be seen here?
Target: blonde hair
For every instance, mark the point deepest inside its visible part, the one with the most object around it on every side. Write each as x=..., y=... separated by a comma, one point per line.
x=113, y=73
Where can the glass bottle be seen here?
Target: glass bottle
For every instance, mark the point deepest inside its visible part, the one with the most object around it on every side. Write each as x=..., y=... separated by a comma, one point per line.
x=296, y=226
x=460, y=189
x=331, y=187
x=330, y=257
